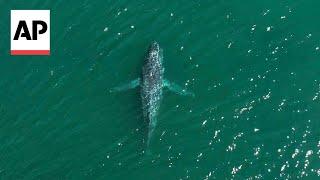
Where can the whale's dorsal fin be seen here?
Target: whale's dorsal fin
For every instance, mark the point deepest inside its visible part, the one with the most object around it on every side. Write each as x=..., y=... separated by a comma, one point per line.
x=132, y=84
x=176, y=88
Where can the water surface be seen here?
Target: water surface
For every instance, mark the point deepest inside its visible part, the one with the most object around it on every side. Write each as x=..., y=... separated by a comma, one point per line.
x=254, y=67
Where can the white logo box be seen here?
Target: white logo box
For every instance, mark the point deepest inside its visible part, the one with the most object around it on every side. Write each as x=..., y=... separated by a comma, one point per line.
x=23, y=46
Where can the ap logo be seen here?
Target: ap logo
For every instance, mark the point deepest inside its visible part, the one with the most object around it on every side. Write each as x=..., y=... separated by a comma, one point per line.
x=30, y=32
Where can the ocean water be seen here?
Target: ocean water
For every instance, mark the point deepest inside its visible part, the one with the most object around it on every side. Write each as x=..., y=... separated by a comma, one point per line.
x=253, y=65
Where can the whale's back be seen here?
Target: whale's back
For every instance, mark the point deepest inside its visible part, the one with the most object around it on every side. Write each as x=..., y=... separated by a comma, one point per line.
x=151, y=87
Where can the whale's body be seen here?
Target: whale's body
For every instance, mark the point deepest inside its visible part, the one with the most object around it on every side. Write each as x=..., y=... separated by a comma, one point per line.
x=151, y=86
x=152, y=83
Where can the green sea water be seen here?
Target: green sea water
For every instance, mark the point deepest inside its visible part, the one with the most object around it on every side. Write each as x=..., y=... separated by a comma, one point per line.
x=253, y=65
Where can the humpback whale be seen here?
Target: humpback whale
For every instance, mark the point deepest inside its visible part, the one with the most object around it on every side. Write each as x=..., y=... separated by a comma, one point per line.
x=151, y=87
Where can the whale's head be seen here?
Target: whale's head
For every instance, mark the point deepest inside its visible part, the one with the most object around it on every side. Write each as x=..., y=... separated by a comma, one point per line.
x=154, y=55
x=154, y=46
x=154, y=49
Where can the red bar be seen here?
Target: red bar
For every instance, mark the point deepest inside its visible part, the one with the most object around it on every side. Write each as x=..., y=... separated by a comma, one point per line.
x=30, y=52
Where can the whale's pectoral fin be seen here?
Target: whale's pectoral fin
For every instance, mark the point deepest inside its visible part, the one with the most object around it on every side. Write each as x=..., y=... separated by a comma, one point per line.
x=177, y=89
x=132, y=84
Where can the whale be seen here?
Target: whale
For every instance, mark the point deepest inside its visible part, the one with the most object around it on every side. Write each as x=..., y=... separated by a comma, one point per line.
x=151, y=84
